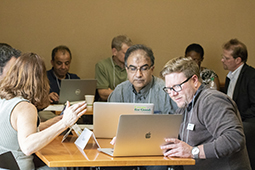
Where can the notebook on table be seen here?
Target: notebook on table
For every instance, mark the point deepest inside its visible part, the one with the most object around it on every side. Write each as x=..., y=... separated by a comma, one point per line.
x=142, y=135
x=75, y=89
x=106, y=116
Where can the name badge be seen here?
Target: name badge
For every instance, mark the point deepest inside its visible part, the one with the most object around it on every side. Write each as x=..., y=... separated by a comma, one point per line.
x=190, y=126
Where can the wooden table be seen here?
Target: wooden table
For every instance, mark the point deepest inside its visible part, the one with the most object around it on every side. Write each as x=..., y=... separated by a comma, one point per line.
x=67, y=154
x=88, y=112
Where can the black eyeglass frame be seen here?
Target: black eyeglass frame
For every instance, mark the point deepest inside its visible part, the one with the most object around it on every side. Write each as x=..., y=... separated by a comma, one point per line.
x=139, y=68
x=177, y=85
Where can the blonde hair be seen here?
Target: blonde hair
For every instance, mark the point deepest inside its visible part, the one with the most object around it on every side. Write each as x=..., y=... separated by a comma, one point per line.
x=27, y=78
x=183, y=65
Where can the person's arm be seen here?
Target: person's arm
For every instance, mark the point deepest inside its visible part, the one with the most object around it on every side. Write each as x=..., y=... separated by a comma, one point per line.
x=24, y=120
x=178, y=148
x=117, y=95
x=48, y=123
x=104, y=93
x=53, y=97
x=221, y=118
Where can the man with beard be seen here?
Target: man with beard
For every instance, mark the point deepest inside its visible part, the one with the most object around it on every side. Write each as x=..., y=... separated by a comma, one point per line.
x=211, y=131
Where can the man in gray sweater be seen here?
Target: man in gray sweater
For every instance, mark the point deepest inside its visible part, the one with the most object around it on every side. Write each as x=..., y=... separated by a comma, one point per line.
x=211, y=131
x=142, y=86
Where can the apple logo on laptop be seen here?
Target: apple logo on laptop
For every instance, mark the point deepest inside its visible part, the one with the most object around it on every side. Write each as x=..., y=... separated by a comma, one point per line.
x=148, y=135
x=77, y=91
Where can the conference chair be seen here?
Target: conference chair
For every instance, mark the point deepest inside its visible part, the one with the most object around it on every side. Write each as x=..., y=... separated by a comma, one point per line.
x=8, y=161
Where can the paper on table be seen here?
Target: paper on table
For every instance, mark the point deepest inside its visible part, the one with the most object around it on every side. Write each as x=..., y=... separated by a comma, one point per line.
x=59, y=107
x=54, y=107
x=83, y=126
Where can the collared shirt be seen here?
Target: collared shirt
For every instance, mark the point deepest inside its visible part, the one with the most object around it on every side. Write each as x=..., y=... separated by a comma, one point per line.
x=144, y=95
x=108, y=74
x=233, y=76
x=201, y=87
x=151, y=93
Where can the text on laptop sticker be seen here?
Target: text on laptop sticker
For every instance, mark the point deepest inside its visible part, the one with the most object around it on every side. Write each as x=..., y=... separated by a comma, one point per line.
x=142, y=109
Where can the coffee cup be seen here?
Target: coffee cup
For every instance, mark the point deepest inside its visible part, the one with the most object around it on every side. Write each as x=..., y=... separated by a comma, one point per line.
x=89, y=99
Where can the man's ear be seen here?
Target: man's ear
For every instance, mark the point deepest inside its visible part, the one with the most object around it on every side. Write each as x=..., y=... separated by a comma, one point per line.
x=238, y=60
x=114, y=51
x=195, y=79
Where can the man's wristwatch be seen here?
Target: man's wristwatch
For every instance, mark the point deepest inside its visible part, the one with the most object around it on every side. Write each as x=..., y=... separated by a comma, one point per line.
x=195, y=152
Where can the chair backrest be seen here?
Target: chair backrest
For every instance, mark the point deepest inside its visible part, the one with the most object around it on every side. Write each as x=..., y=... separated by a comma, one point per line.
x=7, y=161
x=249, y=129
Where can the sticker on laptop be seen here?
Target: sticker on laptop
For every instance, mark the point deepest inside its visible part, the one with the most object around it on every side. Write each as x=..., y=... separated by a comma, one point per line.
x=142, y=109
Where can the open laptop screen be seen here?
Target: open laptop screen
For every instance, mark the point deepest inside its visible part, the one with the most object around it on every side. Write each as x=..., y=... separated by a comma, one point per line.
x=142, y=135
x=75, y=89
x=106, y=115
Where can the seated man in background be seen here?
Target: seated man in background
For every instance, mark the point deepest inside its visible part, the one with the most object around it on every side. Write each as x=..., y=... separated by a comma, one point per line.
x=211, y=131
x=196, y=52
x=8, y=56
x=111, y=71
x=142, y=86
x=60, y=60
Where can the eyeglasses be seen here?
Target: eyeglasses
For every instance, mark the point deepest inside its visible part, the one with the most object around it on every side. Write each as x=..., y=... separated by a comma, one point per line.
x=132, y=69
x=176, y=88
x=225, y=58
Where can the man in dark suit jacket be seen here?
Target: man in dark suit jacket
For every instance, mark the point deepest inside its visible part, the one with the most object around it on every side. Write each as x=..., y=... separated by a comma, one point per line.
x=240, y=81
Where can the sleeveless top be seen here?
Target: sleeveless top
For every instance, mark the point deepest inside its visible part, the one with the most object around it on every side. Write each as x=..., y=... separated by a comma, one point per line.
x=9, y=136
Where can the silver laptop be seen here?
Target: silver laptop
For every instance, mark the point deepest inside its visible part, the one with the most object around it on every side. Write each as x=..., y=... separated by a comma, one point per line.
x=106, y=116
x=142, y=135
x=75, y=89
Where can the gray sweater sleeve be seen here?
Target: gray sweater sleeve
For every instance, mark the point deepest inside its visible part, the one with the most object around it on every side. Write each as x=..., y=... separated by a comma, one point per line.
x=116, y=95
x=221, y=117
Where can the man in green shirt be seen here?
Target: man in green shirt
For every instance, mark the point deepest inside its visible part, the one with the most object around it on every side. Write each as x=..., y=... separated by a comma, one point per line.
x=111, y=71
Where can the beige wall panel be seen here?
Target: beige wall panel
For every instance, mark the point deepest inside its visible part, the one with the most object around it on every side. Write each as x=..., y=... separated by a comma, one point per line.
x=88, y=26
